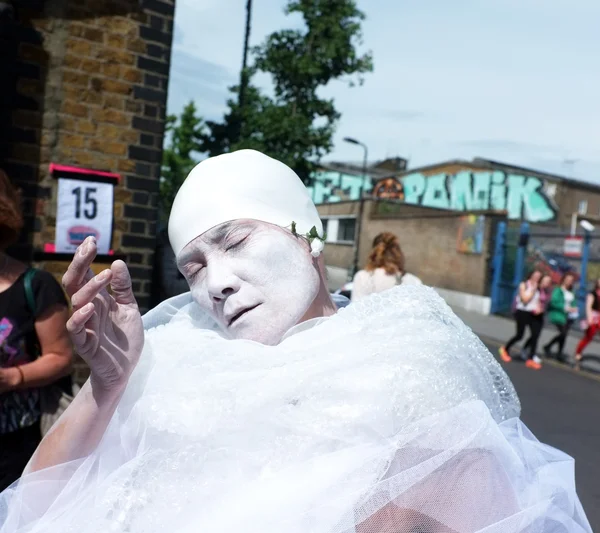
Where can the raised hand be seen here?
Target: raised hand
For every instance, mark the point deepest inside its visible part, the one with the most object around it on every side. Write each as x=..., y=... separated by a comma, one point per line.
x=106, y=329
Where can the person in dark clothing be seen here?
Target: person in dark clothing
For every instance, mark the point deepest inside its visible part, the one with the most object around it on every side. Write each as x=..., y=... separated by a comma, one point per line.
x=537, y=323
x=592, y=319
x=526, y=305
x=35, y=349
x=562, y=313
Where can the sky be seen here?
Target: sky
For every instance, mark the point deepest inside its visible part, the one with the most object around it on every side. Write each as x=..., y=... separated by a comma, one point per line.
x=516, y=81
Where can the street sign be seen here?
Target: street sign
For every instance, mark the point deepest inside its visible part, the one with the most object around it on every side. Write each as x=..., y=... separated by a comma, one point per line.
x=573, y=246
x=84, y=208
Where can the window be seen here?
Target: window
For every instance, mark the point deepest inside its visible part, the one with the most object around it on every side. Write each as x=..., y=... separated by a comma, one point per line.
x=346, y=229
x=340, y=229
x=582, y=209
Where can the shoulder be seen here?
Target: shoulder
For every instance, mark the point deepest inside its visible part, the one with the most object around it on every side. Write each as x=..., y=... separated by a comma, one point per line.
x=361, y=275
x=41, y=278
x=411, y=279
x=48, y=291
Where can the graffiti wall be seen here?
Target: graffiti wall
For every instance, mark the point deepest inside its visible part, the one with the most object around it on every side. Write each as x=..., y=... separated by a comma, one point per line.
x=331, y=187
x=471, y=232
x=522, y=197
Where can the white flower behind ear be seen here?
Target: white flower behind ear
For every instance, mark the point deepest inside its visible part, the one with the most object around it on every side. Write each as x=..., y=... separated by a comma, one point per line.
x=316, y=247
x=317, y=242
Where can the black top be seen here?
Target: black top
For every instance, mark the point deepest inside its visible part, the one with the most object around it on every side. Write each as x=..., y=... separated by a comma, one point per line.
x=595, y=301
x=18, y=344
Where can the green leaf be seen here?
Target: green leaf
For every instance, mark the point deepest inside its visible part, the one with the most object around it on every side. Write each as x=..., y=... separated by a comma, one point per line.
x=296, y=125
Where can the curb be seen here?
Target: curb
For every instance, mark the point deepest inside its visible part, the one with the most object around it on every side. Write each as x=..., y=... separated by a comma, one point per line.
x=594, y=376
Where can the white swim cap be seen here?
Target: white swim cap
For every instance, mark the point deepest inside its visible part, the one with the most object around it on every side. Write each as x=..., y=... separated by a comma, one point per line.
x=243, y=184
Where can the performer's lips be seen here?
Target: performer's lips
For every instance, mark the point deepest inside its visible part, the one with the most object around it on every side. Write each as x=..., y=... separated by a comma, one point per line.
x=233, y=318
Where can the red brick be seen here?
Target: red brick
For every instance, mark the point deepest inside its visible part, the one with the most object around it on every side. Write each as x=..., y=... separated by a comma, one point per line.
x=67, y=123
x=76, y=78
x=72, y=141
x=79, y=48
x=75, y=109
x=112, y=148
x=133, y=107
x=115, y=41
x=111, y=70
x=86, y=126
x=118, y=87
x=114, y=101
x=111, y=116
x=73, y=62
x=137, y=45
x=119, y=57
x=86, y=32
x=126, y=165
x=132, y=75
x=108, y=132
x=92, y=66
x=130, y=136
x=123, y=26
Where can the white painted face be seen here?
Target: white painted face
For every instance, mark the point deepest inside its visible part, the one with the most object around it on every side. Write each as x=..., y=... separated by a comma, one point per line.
x=257, y=280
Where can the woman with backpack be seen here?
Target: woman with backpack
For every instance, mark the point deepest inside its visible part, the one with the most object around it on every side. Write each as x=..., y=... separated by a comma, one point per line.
x=384, y=269
x=562, y=313
x=35, y=350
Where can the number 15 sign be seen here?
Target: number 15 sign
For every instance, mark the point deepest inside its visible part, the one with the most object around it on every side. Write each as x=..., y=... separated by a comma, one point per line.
x=84, y=208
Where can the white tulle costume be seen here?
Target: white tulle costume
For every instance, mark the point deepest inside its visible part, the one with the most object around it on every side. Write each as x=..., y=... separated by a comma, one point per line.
x=390, y=416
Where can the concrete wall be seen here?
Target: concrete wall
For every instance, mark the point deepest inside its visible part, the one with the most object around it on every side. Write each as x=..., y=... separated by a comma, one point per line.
x=88, y=88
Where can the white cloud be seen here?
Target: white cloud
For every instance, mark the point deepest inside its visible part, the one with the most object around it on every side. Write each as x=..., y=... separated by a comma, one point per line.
x=514, y=80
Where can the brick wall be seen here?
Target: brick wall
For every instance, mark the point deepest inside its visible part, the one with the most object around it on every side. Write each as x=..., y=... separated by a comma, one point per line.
x=89, y=89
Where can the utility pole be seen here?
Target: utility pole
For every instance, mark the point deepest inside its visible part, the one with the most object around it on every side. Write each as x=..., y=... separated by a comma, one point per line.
x=244, y=73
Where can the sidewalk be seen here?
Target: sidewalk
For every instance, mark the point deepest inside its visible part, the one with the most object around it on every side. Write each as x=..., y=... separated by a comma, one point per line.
x=500, y=329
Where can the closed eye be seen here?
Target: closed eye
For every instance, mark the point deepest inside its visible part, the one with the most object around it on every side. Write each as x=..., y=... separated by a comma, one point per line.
x=236, y=244
x=193, y=272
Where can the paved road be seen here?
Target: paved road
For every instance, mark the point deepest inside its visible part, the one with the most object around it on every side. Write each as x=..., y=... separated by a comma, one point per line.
x=562, y=408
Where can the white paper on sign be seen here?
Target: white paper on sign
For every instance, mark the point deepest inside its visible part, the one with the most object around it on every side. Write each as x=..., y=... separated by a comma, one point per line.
x=83, y=208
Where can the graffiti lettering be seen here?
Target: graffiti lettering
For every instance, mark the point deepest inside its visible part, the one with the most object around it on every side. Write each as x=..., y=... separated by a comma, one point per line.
x=332, y=187
x=522, y=197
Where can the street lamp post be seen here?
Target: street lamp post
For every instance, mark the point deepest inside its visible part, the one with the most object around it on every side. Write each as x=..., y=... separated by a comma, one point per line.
x=358, y=224
x=588, y=229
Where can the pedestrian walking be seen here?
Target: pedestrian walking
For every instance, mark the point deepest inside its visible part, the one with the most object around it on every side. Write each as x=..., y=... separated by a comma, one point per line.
x=562, y=313
x=529, y=352
x=592, y=320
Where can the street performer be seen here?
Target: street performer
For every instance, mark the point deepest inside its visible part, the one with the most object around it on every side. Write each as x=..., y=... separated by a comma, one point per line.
x=252, y=404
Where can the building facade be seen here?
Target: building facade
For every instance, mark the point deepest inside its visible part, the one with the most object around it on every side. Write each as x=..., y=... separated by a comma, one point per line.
x=84, y=84
x=481, y=184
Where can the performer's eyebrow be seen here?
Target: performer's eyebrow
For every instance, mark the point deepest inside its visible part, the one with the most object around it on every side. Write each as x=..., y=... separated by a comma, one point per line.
x=219, y=233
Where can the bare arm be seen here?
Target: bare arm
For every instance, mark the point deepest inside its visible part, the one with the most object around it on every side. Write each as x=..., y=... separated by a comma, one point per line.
x=589, y=302
x=526, y=294
x=106, y=330
x=56, y=359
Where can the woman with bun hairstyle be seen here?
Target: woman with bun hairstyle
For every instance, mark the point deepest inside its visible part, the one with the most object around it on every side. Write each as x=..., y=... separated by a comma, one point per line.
x=384, y=268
